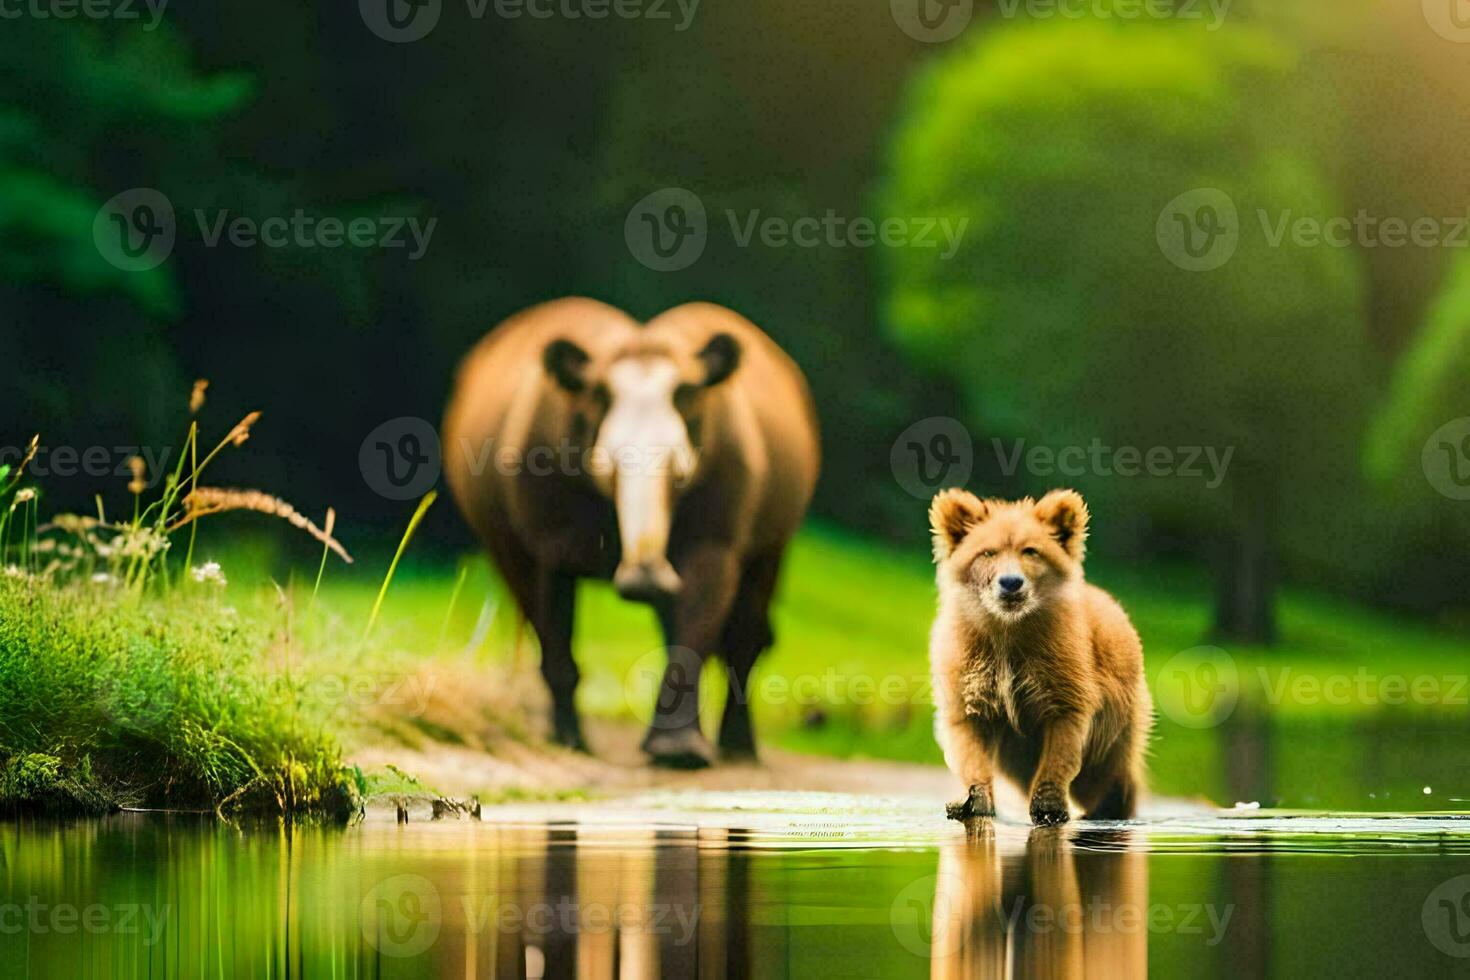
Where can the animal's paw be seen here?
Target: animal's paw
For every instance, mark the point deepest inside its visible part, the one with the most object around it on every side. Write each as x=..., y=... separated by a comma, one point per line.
x=684, y=748
x=1049, y=806
x=977, y=803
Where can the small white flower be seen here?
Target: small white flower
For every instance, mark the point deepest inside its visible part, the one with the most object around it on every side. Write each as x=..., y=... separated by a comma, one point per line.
x=209, y=572
x=102, y=578
x=14, y=571
x=22, y=496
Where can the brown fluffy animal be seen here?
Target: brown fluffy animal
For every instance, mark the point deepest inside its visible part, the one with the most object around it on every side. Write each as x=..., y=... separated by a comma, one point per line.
x=1036, y=672
x=675, y=457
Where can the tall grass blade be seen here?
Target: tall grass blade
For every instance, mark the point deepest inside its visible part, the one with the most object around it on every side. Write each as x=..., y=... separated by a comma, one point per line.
x=413, y=523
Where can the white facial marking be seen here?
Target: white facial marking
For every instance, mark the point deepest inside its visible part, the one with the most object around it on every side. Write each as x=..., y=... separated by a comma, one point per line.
x=646, y=446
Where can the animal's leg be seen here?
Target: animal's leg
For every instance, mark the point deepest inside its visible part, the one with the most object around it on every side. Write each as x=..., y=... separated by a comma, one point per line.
x=1053, y=884
x=747, y=634
x=555, y=602
x=692, y=625
x=970, y=755
x=1061, y=759
x=1118, y=803
x=1109, y=789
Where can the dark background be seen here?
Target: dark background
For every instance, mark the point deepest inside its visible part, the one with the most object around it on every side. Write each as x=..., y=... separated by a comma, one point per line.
x=528, y=141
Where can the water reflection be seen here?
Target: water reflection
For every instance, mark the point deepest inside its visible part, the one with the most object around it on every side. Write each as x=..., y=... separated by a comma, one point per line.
x=1053, y=910
x=860, y=894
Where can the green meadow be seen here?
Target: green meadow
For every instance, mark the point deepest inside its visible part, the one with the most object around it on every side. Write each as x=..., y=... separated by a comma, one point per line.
x=250, y=693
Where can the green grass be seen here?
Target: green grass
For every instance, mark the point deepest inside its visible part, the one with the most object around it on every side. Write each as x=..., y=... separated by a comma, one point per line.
x=246, y=693
x=110, y=699
x=848, y=674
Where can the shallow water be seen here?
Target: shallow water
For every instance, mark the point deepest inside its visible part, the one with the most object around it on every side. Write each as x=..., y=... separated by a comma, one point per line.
x=740, y=885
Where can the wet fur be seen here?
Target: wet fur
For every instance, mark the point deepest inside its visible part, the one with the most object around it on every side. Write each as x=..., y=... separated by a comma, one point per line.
x=1055, y=698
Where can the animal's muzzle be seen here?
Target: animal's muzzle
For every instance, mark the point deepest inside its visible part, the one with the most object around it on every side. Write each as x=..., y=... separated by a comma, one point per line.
x=647, y=581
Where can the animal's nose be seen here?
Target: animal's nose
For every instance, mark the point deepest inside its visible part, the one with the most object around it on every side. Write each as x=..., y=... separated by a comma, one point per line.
x=647, y=581
x=1011, y=584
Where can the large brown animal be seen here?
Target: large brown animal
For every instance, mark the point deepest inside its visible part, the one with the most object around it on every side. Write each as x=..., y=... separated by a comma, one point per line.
x=675, y=457
x=1037, y=672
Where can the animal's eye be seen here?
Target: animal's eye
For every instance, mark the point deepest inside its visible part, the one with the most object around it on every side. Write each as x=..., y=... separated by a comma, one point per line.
x=987, y=553
x=1030, y=552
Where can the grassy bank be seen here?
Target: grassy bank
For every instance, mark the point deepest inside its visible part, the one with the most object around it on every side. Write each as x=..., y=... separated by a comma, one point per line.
x=107, y=699
x=1334, y=700
x=250, y=695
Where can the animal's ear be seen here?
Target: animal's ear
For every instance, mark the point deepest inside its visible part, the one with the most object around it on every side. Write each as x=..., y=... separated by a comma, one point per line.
x=566, y=363
x=951, y=516
x=720, y=357
x=1065, y=513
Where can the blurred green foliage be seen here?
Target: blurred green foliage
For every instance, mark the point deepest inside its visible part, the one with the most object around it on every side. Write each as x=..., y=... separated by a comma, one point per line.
x=528, y=140
x=1069, y=145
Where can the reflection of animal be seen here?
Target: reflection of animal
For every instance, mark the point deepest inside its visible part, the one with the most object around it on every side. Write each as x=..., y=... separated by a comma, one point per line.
x=1035, y=671
x=676, y=457
x=1057, y=909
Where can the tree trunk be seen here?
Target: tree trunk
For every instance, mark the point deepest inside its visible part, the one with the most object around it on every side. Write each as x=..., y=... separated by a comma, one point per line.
x=1245, y=587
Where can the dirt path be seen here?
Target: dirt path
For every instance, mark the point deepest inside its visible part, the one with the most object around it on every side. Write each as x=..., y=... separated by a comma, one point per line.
x=512, y=769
